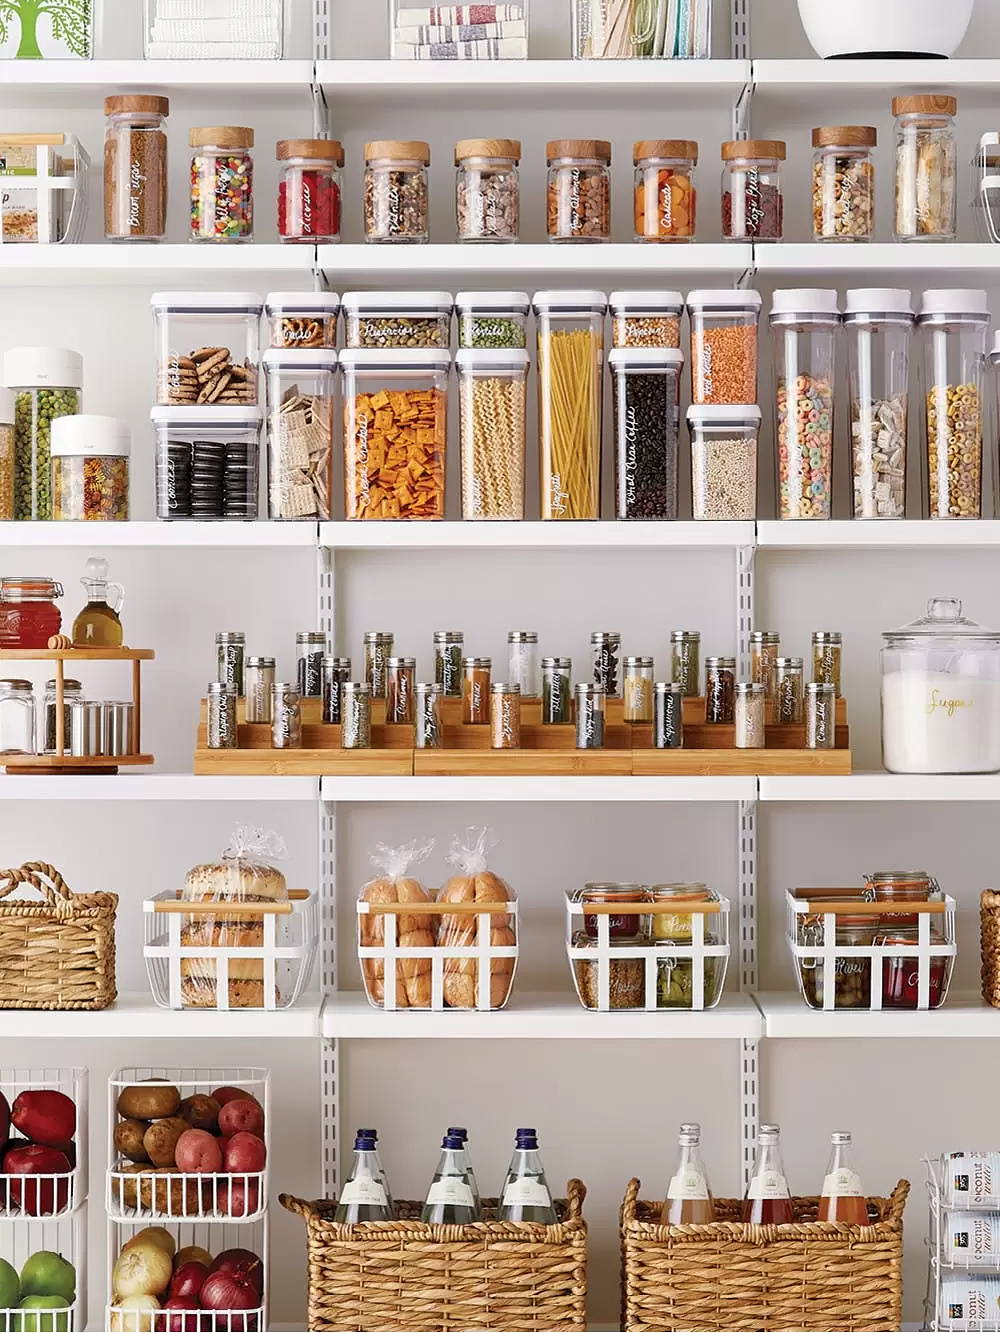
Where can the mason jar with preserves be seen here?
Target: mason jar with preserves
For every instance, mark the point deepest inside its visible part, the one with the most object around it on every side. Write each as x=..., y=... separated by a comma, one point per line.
x=623, y=926
x=901, y=972
x=28, y=612
x=901, y=886
x=396, y=191
x=487, y=191
x=843, y=183
x=926, y=169
x=664, y=189
x=579, y=190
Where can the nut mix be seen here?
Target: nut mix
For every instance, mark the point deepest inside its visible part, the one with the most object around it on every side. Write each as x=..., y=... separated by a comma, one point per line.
x=208, y=375
x=843, y=183
x=579, y=190
x=487, y=191
x=396, y=196
x=397, y=331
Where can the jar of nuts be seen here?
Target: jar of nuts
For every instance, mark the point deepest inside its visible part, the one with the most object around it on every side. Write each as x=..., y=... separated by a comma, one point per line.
x=843, y=183
x=954, y=331
x=646, y=319
x=579, y=190
x=396, y=191
x=487, y=193
x=664, y=189
x=397, y=319
x=90, y=468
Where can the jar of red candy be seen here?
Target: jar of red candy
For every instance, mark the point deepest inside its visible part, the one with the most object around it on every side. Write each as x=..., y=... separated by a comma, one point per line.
x=221, y=183
x=752, y=201
x=28, y=612
x=309, y=189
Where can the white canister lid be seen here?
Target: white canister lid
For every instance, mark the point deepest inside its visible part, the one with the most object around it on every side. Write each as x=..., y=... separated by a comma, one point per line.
x=356, y=303
x=88, y=436
x=192, y=303
x=6, y=407
x=414, y=359
x=646, y=300
x=319, y=301
x=651, y=358
x=727, y=298
x=42, y=368
x=718, y=414
x=491, y=358
x=994, y=359
x=571, y=300
x=865, y=300
x=972, y=301
x=515, y=301
x=820, y=301
x=299, y=358
x=206, y=415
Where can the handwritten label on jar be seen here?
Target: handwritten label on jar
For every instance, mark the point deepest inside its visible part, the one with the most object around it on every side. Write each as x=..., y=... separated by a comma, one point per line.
x=938, y=702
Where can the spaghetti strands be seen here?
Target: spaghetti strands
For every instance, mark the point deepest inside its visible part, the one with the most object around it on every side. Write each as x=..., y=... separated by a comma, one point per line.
x=492, y=404
x=569, y=411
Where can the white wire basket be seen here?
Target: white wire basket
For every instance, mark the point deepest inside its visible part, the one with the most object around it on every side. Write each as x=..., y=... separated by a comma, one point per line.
x=150, y=1193
x=187, y=969
x=986, y=188
x=46, y=1194
x=20, y=1238
x=43, y=188
x=215, y=1237
x=963, y=1283
x=651, y=973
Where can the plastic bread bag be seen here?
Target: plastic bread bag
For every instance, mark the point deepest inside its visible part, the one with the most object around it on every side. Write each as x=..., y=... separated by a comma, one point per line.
x=395, y=884
x=245, y=873
x=474, y=883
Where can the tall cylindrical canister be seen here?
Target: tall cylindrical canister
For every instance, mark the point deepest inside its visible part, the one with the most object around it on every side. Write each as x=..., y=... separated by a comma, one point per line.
x=879, y=325
x=356, y=729
x=954, y=327
x=804, y=324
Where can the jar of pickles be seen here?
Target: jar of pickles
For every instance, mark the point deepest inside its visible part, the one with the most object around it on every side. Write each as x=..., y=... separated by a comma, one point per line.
x=664, y=189
x=926, y=170
x=579, y=190
x=621, y=926
x=852, y=973
x=221, y=183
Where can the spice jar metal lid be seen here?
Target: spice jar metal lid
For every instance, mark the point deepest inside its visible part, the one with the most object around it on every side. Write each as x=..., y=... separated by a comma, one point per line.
x=514, y=302
x=477, y=663
x=42, y=368
x=327, y=302
x=606, y=636
x=314, y=150
x=491, y=358
x=215, y=303
x=723, y=414
x=925, y=104
x=845, y=136
x=954, y=303
x=726, y=663
x=592, y=148
x=749, y=687
x=501, y=687
x=814, y=305
x=740, y=150
x=310, y=636
x=377, y=636
x=668, y=687
x=6, y=407
x=764, y=636
x=724, y=298
x=831, y=636
x=263, y=661
x=12, y=685
x=221, y=136
x=299, y=358
x=68, y=684
x=557, y=663
x=357, y=687
x=220, y=687
x=449, y=636
x=944, y=621
x=623, y=302
x=587, y=691
x=207, y=416
x=428, y=687
x=396, y=663
x=866, y=303
x=639, y=661
x=142, y=104
x=646, y=358
x=682, y=149
x=522, y=636
x=398, y=150
x=230, y=636
x=789, y=663
x=395, y=358
x=685, y=635
x=569, y=301
x=366, y=303
x=506, y=149
x=821, y=687
x=90, y=436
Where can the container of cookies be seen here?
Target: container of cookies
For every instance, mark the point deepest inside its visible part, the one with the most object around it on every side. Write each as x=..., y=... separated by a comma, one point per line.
x=207, y=462
x=207, y=348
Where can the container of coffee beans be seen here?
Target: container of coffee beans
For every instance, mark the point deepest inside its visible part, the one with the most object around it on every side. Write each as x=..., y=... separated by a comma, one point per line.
x=645, y=383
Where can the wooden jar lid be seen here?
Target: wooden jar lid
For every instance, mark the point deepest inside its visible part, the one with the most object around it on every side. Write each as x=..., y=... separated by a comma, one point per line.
x=686, y=149
x=142, y=103
x=733, y=149
x=598, y=148
x=928, y=104
x=221, y=136
x=316, y=150
x=845, y=136
x=399, y=150
x=502, y=148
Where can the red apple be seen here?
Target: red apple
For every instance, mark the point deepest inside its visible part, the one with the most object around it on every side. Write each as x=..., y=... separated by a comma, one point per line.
x=198, y=1152
x=244, y=1153
x=178, y=1322
x=240, y=1263
x=229, y=1094
x=37, y=1198
x=241, y=1116
x=187, y=1280
x=4, y=1120
x=238, y=1198
x=44, y=1116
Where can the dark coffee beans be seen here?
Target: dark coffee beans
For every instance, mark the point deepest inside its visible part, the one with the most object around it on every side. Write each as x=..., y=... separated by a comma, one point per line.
x=645, y=444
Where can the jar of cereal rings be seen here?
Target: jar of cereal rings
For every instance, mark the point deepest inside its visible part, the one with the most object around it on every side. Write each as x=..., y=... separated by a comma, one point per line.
x=954, y=331
x=843, y=183
x=804, y=324
x=90, y=468
x=221, y=183
x=664, y=189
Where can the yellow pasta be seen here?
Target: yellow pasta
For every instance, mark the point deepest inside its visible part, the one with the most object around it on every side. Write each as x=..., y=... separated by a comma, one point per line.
x=492, y=424
x=569, y=423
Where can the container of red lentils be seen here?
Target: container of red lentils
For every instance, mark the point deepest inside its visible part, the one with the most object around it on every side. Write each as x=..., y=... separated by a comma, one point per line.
x=664, y=191
x=724, y=346
x=646, y=319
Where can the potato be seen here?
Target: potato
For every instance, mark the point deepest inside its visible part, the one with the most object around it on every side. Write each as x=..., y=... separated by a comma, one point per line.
x=125, y=1192
x=200, y=1112
x=128, y=1139
x=160, y=1139
x=163, y=1191
x=142, y=1101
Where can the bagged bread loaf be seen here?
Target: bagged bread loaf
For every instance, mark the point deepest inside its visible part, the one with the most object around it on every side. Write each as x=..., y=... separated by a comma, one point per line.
x=474, y=883
x=395, y=885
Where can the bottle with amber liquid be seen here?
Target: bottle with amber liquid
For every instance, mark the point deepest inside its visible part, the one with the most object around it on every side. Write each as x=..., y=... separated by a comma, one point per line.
x=767, y=1198
x=688, y=1197
x=97, y=625
x=843, y=1198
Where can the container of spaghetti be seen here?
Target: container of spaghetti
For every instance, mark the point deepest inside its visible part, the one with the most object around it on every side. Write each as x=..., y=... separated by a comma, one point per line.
x=570, y=380
x=492, y=389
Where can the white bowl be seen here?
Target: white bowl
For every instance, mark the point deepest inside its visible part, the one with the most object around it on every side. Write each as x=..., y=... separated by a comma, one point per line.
x=885, y=27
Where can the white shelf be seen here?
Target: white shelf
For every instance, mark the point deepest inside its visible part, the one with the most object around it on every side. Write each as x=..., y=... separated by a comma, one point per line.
x=140, y=533
x=122, y=265
x=914, y=259
x=874, y=80
x=792, y=535
x=884, y=787
x=153, y=787
x=538, y=789
x=787, y=1015
x=203, y=83
x=545, y=1015
x=135, y=1015
x=529, y=535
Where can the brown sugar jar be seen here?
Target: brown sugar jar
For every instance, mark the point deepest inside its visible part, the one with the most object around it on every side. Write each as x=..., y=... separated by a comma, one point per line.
x=135, y=168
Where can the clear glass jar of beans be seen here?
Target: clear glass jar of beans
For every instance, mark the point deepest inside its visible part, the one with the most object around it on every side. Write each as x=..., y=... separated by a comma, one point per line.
x=492, y=396
x=206, y=462
x=493, y=320
x=306, y=320
x=724, y=346
x=879, y=328
x=396, y=191
x=804, y=325
x=46, y=383
x=309, y=194
x=578, y=190
x=953, y=325
x=723, y=461
x=843, y=182
x=646, y=319
x=926, y=168
x=752, y=199
x=487, y=189
x=221, y=183
x=645, y=384
x=397, y=319
x=664, y=189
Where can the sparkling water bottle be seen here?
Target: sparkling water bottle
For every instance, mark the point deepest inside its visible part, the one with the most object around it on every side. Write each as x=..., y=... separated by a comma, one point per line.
x=470, y=1175
x=363, y=1198
x=450, y=1197
x=526, y=1196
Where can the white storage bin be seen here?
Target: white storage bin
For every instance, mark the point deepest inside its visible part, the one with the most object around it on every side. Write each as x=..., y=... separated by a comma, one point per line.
x=44, y=1194
x=66, y=1237
x=201, y=35
x=44, y=196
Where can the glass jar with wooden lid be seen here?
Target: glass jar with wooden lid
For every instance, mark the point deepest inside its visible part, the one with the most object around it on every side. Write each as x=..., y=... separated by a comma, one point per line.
x=221, y=183
x=579, y=190
x=664, y=189
x=843, y=182
x=309, y=194
x=487, y=189
x=926, y=168
x=752, y=198
x=135, y=167
x=396, y=191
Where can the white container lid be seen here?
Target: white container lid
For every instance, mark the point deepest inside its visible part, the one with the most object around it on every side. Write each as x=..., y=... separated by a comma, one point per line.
x=206, y=415
x=88, y=436
x=360, y=303
x=805, y=301
x=42, y=368
x=994, y=358
x=714, y=414
x=620, y=358
x=865, y=300
x=299, y=358
x=491, y=358
x=724, y=298
x=971, y=301
x=6, y=407
x=646, y=300
x=302, y=301
x=519, y=301
x=571, y=300
x=399, y=358
x=235, y=303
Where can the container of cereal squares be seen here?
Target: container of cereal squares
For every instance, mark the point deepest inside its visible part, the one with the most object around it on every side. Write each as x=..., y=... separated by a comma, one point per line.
x=646, y=319
x=397, y=319
x=395, y=422
x=207, y=345
x=302, y=319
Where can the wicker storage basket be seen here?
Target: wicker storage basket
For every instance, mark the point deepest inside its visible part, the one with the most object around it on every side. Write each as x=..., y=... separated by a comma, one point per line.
x=409, y=1276
x=56, y=954
x=989, y=945
x=729, y=1275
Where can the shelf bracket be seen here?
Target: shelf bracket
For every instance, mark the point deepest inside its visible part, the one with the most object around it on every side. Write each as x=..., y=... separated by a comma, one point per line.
x=329, y=1049
x=321, y=28
x=749, y=1073
x=739, y=30
x=744, y=608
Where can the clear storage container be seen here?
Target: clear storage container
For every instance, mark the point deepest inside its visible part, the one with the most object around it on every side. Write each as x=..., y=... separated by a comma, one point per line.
x=804, y=324
x=578, y=190
x=46, y=383
x=926, y=168
x=395, y=424
x=204, y=32
x=44, y=198
x=631, y=30
x=396, y=191
x=646, y=319
x=493, y=319
x=302, y=319
x=487, y=189
x=135, y=168
x=843, y=183
x=90, y=468
x=570, y=385
x=724, y=346
x=664, y=189
x=397, y=319
x=309, y=192
x=300, y=407
x=464, y=32
x=206, y=462
x=207, y=348
x=6, y=455
x=492, y=395
x=221, y=183
x=954, y=324
x=753, y=204
x=879, y=324
x=645, y=383
x=724, y=461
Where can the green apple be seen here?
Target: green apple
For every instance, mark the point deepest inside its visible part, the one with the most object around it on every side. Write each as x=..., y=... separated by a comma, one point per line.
x=10, y=1288
x=38, y=1322
x=48, y=1274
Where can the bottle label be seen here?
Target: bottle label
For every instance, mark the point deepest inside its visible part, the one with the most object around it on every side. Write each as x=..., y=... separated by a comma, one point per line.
x=768, y=1185
x=843, y=1184
x=364, y=1190
x=688, y=1185
x=451, y=1189
x=527, y=1192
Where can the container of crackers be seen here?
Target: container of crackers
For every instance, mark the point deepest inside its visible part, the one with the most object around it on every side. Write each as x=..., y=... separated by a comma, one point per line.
x=301, y=385
x=207, y=348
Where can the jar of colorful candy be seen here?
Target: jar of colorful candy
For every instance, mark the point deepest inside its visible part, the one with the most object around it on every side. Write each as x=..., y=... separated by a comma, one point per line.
x=804, y=326
x=221, y=183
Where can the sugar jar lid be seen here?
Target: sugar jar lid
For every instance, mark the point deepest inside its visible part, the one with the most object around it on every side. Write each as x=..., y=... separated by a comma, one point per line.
x=944, y=620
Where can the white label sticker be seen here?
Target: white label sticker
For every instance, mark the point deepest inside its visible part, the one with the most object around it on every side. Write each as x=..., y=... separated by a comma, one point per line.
x=364, y=1190
x=527, y=1191
x=842, y=1184
x=688, y=1185
x=451, y=1189
x=769, y=1185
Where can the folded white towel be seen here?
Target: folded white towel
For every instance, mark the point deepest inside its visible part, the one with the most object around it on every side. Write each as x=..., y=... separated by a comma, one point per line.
x=459, y=32
x=214, y=51
x=502, y=48
x=489, y=13
x=217, y=9
x=216, y=30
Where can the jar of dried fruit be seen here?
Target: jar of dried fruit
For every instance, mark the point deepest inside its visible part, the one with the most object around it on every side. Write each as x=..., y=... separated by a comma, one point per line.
x=752, y=201
x=843, y=183
x=396, y=191
x=579, y=190
x=487, y=193
x=925, y=168
x=90, y=468
x=664, y=189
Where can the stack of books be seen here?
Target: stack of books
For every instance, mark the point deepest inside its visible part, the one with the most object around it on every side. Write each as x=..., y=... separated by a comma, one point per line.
x=215, y=30
x=460, y=32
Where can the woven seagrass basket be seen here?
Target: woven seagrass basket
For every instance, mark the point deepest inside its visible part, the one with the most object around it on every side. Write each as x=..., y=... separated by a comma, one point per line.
x=408, y=1276
x=58, y=953
x=989, y=945
x=731, y=1276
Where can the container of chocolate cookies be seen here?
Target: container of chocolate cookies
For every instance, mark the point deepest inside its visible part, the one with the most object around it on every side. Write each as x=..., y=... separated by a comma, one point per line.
x=207, y=348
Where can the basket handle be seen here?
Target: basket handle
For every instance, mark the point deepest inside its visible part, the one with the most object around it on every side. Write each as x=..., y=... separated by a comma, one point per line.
x=576, y=1192
x=41, y=876
x=631, y=1199
x=301, y=1207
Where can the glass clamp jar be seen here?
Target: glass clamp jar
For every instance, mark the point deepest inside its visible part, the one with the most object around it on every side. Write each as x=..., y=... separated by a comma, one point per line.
x=300, y=409
x=28, y=612
x=135, y=168
x=46, y=384
x=852, y=977
x=646, y=319
x=396, y=191
x=723, y=346
x=843, y=183
x=90, y=458
x=752, y=199
x=724, y=461
x=492, y=396
x=309, y=191
x=664, y=188
x=804, y=326
x=926, y=170
x=570, y=402
x=6, y=455
x=487, y=192
x=221, y=183
x=495, y=321
x=645, y=384
x=879, y=326
x=578, y=190
x=954, y=325
x=621, y=925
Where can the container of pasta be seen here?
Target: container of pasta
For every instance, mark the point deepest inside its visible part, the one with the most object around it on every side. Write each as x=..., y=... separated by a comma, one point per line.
x=570, y=383
x=492, y=390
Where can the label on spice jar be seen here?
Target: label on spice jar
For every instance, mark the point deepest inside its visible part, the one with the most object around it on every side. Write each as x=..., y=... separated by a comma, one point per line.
x=363, y=1190
x=842, y=1184
x=450, y=1189
x=768, y=1185
x=527, y=1192
x=688, y=1185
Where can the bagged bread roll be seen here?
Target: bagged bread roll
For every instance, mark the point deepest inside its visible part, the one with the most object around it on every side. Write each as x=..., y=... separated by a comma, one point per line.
x=474, y=883
x=394, y=885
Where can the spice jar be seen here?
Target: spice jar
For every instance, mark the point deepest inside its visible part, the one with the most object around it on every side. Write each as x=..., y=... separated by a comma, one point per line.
x=396, y=192
x=72, y=690
x=448, y=645
x=724, y=346
x=645, y=385
x=664, y=189
x=926, y=169
x=230, y=654
x=843, y=183
x=487, y=193
x=300, y=404
x=302, y=320
x=752, y=200
x=221, y=183
x=579, y=190
x=625, y=926
x=720, y=689
x=505, y=717
x=827, y=649
x=749, y=716
x=493, y=320
x=90, y=468
x=570, y=402
x=309, y=196
x=476, y=690
x=901, y=972
x=335, y=672
x=646, y=319
x=492, y=398
x=804, y=327
x=378, y=650
x=522, y=662
x=668, y=715
x=428, y=728
x=606, y=650
x=17, y=717
x=46, y=383
x=7, y=491
x=286, y=717
x=879, y=324
x=356, y=707
x=685, y=665
x=397, y=319
x=764, y=649
x=852, y=979
x=207, y=348
x=400, y=679
x=557, y=689
x=821, y=716
x=258, y=681
x=222, y=731
x=954, y=332
x=788, y=691
x=638, y=689
x=135, y=168
x=724, y=461
x=310, y=649
x=589, y=717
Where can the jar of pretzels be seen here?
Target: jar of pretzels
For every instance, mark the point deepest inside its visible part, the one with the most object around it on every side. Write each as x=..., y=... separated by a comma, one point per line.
x=302, y=320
